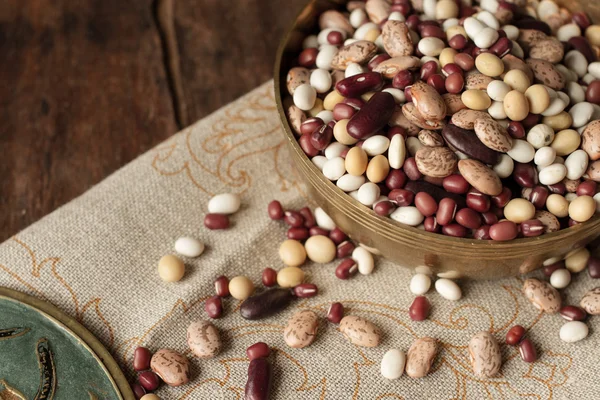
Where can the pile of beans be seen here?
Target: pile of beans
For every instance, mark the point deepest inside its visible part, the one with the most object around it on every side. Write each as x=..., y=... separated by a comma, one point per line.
x=470, y=119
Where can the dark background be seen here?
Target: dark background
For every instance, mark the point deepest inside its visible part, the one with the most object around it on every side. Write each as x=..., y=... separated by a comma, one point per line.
x=88, y=85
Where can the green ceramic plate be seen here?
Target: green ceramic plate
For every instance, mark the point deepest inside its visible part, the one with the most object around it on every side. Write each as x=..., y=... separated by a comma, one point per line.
x=45, y=354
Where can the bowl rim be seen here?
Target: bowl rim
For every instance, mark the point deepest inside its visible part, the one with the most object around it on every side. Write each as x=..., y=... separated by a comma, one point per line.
x=387, y=224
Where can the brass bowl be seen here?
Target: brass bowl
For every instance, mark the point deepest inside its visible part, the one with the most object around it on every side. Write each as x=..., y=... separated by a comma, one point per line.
x=405, y=245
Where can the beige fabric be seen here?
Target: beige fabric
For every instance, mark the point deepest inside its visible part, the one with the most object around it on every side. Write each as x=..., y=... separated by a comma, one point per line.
x=96, y=258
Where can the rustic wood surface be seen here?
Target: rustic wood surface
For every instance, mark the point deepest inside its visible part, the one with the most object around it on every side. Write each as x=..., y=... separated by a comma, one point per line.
x=89, y=85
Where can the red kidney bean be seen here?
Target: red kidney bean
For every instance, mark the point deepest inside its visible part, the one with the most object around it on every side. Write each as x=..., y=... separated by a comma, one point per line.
x=581, y=44
x=298, y=234
x=309, y=218
x=258, y=350
x=428, y=69
x=149, y=380
x=502, y=47
x=504, y=230
x=527, y=351
x=478, y=201
x=531, y=120
x=559, y=188
x=216, y=221
x=396, y=130
x=452, y=68
x=549, y=269
x=592, y=93
x=468, y=218
x=269, y=277
x=359, y=84
x=455, y=230
x=308, y=57
x=411, y=170
x=455, y=184
x=446, y=211
x=525, y=175
x=402, y=79
x=433, y=180
x=538, y=197
x=464, y=141
x=293, y=219
x=384, y=208
x=408, y=94
x=401, y=197
x=593, y=266
x=266, y=303
x=413, y=22
x=258, y=386
x=138, y=391
x=343, y=111
x=305, y=290
x=454, y=83
x=573, y=313
x=516, y=130
x=373, y=116
x=482, y=233
x=317, y=230
x=465, y=61
x=335, y=38
x=335, y=313
x=503, y=198
x=222, y=286
x=337, y=236
x=344, y=249
x=457, y=42
x=467, y=11
x=430, y=224
x=419, y=309
x=515, y=335
x=532, y=227
x=141, y=359
x=357, y=103
x=396, y=179
x=438, y=82
x=431, y=31
x=214, y=307
x=477, y=51
x=321, y=137
x=425, y=204
x=346, y=269
x=311, y=125
x=275, y=210
x=307, y=147
x=489, y=218
x=375, y=61
x=587, y=188
x=581, y=19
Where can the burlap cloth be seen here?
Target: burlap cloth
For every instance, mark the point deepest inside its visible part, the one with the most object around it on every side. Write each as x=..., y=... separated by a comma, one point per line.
x=96, y=259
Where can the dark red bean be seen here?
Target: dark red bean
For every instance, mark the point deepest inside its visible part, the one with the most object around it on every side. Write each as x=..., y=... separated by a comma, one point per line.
x=458, y=42
x=265, y=304
x=468, y=218
x=515, y=335
x=419, y=309
x=138, y=391
x=403, y=8
x=335, y=38
x=454, y=83
x=343, y=111
x=317, y=230
x=503, y=198
x=465, y=61
x=573, y=313
x=452, y=68
x=455, y=230
x=438, y=82
x=413, y=22
x=258, y=386
x=525, y=175
x=531, y=120
x=141, y=359
x=373, y=116
x=516, y=130
x=321, y=137
x=311, y=125
x=411, y=170
x=425, y=204
x=502, y=47
x=593, y=266
x=275, y=210
x=549, y=269
x=359, y=84
x=559, y=188
x=357, y=103
x=306, y=290
x=214, y=307
x=455, y=184
x=269, y=277
x=216, y=221
x=478, y=201
x=587, y=188
x=308, y=57
x=293, y=219
x=307, y=147
x=428, y=69
x=407, y=94
x=482, y=233
x=464, y=141
x=335, y=313
x=489, y=218
x=222, y=286
x=258, y=350
x=402, y=79
x=592, y=93
x=432, y=31
x=396, y=179
x=538, y=197
x=582, y=45
x=581, y=19
x=375, y=61
x=149, y=380
x=401, y=197
x=384, y=208
x=446, y=211
x=298, y=233
x=396, y=130
x=337, y=236
x=532, y=227
x=309, y=218
x=476, y=51
x=344, y=249
x=527, y=351
x=467, y=11
x=504, y=230
x=346, y=269
x=430, y=224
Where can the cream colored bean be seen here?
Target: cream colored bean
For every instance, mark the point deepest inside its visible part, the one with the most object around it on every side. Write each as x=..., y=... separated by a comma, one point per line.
x=289, y=277
x=489, y=64
x=292, y=253
x=577, y=62
x=544, y=156
x=396, y=152
x=496, y=110
x=581, y=114
x=397, y=93
x=476, y=99
x=364, y=260
x=557, y=205
x=171, y=268
x=320, y=249
x=189, y=246
x=582, y=208
x=566, y=32
x=516, y=105
x=556, y=106
x=431, y=46
x=448, y=289
x=565, y=142
x=552, y=174
x=320, y=79
x=319, y=161
x=497, y=89
x=504, y=167
x=538, y=98
x=394, y=360
x=521, y=151
x=340, y=132
x=473, y=27
x=560, y=278
x=356, y=161
x=305, y=97
x=326, y=54
x=517, y=80
x=576, y=163
x=577, y=261
x=240, y=287
x=512, y=32
x=575, y=92
x=447, y=56
x=558, y=122
x=519, y=210
x=331, y=100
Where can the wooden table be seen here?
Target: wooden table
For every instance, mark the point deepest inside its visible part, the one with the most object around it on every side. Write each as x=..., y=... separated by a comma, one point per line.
x=88, y=85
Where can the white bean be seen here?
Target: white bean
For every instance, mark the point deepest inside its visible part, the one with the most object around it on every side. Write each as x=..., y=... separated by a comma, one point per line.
x=398, y=95
x=357, y=17
x=334, y=168
x=552, y=174
x=594, y=69
x=397, y=152
x=567, y=31
x=489, y=5
x=353, y=69
x=431, y=46
x=473, y=27
x=573, y=331
x=362, y=30
x=581, y=114
x=413, y=144
x=496, y=110
x=540, y=135
x=189, y=246
x=364, y=260
x=376, y=145
x=576, y=164
x=560, y=278
x=326, y=116
x=556, y=106
x=349, y=183
x=512, y=32
x=321, y=80
x=577, y=62
x=408, y=215
x=544, y=156
x=368, y=193
x=319, y=161
x=504, y=167
x=545, y=8
x=488, y=18
x=335, y=149
x=486, y=38
x=323, y=220
x=448, y=289
x=325, y=56
x=392, y=364
x=396, y=16
x=497, y=89
x=305, y=97
x=224, y=203
x=420, y=284
x=575, y=92
x=310, y=41
x=521, y=151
